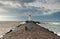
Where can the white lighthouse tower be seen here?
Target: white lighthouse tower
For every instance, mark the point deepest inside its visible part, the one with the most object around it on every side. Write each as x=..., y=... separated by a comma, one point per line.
x=29, y=17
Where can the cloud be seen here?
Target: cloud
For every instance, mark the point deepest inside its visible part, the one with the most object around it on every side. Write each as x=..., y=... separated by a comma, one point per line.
x=1, y=10
x=9, y=4
x=24, y=1
x=34, y=11
x=24, y=7
x=53, y=1
x=44, y=4
x=51, y=4
x=9, y=19
x=19, y=1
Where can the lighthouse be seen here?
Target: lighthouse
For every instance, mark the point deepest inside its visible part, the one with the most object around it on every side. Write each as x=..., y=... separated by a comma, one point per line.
x=29, y=17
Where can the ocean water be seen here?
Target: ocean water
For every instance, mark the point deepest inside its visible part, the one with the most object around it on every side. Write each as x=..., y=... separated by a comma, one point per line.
x=52, y=26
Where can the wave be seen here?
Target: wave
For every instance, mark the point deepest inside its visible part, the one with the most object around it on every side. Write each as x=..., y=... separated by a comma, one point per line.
x=58, y=34
x=54, y=23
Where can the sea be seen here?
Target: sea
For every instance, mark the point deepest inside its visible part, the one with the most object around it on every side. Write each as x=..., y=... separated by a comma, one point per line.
x=52, y=26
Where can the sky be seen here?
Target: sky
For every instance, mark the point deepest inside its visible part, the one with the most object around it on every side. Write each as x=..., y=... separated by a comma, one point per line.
x=40, y=10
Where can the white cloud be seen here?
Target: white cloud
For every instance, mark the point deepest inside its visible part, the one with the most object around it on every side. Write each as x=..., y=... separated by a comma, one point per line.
x=3, y=11
x=41, y=4
x=35, y=7
x=1, y=16
x=8, y=18
x=50, y=12
x=10, y=4
x=50, y=4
